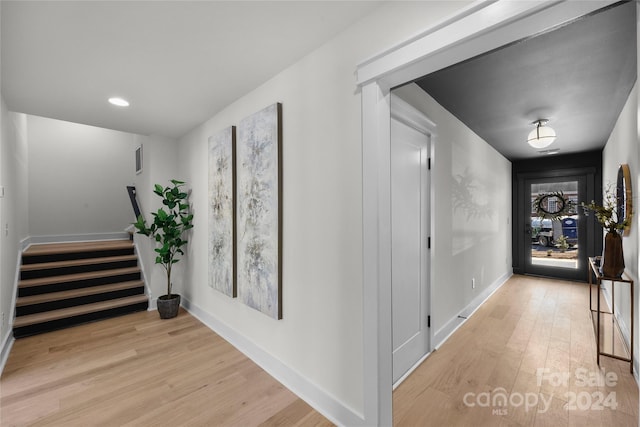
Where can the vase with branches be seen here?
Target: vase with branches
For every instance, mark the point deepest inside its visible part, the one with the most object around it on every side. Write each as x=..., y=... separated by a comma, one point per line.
x=612, y=262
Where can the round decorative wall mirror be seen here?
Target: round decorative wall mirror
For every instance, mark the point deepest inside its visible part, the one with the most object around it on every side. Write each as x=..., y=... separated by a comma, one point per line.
x=623, y=197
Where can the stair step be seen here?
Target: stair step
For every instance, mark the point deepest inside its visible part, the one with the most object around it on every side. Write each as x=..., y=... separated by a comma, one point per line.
x=62, y=267
x=49, y=316
x=51, y=252
x=76, y=293
x=44, y=281
x=75, y=247
x=76, y=262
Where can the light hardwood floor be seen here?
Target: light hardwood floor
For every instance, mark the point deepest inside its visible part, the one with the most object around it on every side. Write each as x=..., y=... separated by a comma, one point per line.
x=527, y=325
x=137, y=370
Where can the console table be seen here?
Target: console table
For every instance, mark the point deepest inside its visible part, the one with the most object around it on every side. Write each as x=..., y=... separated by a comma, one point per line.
x=594, y=272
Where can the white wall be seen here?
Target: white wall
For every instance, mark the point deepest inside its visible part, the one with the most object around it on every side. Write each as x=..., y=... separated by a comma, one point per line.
x=77, y=178
x=159, y=165
x=13, y=212
x=472, y=233
x=622, y=147
x=319, y=340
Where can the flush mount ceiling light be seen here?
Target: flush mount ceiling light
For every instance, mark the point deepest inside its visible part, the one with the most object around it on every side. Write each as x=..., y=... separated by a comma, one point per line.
x=119, y=102
x=542, y=136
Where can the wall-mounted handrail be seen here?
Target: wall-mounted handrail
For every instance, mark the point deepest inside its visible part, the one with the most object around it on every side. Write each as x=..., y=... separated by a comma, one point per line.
x=134, y=202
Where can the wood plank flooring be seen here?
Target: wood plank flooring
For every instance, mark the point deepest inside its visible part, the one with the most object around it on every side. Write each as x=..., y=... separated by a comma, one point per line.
x=532, y=341
x=138, y=370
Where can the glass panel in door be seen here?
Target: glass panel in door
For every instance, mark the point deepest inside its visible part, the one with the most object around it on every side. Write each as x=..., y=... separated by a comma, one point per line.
x=554, y=227
x=554, y=239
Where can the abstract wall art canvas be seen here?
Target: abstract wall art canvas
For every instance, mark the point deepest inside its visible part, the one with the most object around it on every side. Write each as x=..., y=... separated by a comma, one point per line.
x=259, y=208
x=222, y=229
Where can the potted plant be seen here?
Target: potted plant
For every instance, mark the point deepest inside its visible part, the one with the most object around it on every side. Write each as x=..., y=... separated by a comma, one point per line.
x=612, y=263
x=562, y=243
x=167, y=230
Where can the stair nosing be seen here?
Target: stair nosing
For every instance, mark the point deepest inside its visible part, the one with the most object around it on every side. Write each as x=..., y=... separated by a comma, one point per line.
x=76, y=262
x=76, y=293
x=75, y=277
x=63, y=313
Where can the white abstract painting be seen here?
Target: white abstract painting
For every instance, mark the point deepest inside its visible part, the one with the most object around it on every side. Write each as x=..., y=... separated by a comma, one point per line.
x=222, y=211
x=259, y=210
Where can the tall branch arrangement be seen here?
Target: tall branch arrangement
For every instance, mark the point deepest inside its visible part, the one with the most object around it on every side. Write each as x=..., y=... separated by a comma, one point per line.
x=607, y=214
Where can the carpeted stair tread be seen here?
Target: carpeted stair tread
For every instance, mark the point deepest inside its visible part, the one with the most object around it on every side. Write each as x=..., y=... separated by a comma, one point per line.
x=48, y=316
x=76, y=293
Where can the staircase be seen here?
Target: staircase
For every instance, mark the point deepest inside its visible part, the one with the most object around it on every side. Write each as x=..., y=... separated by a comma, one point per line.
x=65, y=284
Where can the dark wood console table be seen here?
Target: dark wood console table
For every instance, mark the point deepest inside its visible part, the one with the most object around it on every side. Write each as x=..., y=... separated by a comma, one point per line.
x=607, y=319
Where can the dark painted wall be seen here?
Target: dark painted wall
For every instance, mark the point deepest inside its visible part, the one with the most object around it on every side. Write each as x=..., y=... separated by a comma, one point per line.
x=588, y=164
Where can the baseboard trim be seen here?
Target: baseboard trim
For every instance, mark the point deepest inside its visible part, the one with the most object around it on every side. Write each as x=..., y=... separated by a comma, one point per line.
x=143, y=272
x=458, y=320
x=410, y=371
x=317, y=398
x=7, y=343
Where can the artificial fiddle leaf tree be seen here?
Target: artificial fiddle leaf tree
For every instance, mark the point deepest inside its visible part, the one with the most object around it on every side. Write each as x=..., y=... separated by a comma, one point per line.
x=168, y=226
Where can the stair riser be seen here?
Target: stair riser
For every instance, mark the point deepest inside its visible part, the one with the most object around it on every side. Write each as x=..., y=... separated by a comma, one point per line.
x=33, y=259
x=73, y=321
x=50, y=272
x=57, y=287
x=70, y=302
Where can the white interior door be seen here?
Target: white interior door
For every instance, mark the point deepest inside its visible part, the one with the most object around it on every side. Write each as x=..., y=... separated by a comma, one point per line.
x=409, y=251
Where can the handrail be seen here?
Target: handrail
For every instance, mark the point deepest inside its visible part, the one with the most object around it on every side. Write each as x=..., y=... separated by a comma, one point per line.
x=134, y=202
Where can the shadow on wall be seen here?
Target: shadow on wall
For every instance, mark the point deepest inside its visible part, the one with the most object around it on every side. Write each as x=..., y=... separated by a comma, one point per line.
x=470, y=198
x=473, y=213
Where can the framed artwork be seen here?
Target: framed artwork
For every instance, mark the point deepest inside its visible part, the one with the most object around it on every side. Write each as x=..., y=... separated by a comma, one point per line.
x=139, y=159
x=222, y=212
x=259, y=204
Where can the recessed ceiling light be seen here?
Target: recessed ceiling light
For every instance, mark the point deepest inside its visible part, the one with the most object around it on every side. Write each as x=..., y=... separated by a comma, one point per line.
x=119, y=102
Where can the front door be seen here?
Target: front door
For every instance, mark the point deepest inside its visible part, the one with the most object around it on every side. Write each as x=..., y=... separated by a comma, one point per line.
x=555, y=232
x=409, y=245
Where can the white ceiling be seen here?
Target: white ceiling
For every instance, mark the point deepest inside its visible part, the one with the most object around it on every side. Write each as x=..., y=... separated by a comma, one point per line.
x=177, y=62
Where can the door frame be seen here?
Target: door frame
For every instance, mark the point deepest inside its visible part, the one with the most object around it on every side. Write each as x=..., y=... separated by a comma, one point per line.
x=587, y=164
x=475, y=29
x=585, y=239
x=408, y=115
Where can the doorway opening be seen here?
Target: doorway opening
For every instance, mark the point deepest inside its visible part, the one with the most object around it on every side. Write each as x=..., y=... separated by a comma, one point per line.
x=475, y=30
x=551, y=235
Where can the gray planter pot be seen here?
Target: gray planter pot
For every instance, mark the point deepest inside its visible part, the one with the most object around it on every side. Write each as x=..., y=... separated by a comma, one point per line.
x=168, y=306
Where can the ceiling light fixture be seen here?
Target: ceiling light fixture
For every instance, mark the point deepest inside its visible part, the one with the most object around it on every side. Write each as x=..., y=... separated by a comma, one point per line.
x=119, y=102
x=542, y=136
